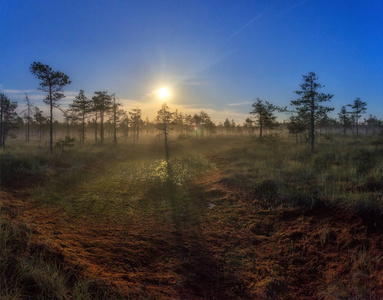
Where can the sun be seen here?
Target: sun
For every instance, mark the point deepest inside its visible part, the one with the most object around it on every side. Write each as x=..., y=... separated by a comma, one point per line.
x=163, y=93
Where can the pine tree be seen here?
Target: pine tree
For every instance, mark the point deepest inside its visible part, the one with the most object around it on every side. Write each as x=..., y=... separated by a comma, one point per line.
x=51, y=82
x=82, y=107
x=309, y=102
x=115, y=113
x=102, y=104
x=163, y=121
x=40, y=121
x=8, y=118
x=136, y=121
x=297, y=126
x=227, y=126
x=264, y=115
x=358, y=108
x=344, y=118
x=28, y=117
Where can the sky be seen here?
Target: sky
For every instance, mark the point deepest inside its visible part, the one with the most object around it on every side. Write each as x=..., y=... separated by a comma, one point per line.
x=216, y=56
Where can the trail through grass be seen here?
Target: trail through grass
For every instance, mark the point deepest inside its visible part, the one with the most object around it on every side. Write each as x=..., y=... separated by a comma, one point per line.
x=249, y=229
x=125, y=187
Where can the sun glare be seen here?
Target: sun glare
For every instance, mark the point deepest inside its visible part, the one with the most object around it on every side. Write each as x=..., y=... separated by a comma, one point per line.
x=163, y=93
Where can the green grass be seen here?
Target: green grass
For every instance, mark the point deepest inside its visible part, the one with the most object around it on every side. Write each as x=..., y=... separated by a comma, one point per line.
x=285, y=174
x=131, y=183
x=345, y=172
x=135, y=182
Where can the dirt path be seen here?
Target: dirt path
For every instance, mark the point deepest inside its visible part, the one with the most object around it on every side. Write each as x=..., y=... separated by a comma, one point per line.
x=231, y=252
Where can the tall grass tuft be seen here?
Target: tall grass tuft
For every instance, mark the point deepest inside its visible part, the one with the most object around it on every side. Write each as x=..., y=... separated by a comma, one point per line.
x=30, y=271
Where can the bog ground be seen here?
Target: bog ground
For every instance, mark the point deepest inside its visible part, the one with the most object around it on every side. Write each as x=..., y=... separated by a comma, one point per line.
x=235, y=219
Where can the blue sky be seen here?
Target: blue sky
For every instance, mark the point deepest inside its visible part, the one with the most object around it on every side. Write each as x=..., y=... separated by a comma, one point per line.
x=213, y=55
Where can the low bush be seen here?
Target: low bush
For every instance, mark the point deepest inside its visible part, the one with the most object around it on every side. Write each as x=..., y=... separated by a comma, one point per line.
x=15, y=167
x=268, y=192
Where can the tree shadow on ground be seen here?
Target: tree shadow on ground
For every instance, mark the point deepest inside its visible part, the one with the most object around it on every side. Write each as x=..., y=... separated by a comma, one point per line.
x=201, y=271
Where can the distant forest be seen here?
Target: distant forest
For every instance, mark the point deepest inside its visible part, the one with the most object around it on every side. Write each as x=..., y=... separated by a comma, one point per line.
x=101, y=119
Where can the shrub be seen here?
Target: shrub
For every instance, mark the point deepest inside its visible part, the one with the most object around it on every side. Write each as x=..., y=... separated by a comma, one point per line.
x=19, y=168
x=66, y=142
x=268, y=191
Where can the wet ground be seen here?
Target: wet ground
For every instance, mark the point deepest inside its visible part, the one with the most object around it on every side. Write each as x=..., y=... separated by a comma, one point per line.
x=200, y=239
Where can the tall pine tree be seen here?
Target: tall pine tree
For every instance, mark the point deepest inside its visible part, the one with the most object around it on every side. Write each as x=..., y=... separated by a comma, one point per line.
x=102, y=104
x=358, y=108
x=81, y=106
x=51, y=82
x=8, y=118
x=309, y=102
x=264, y=115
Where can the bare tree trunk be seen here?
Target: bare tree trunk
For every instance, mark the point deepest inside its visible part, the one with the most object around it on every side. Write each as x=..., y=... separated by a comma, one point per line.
x=167, y=152
x=1, y=126
x=83, y=129
x=114, y=122
x=51, y=121
x=29, y=116
x=102, y=128
x=312, y=120
x=95, y=129
x=138, y=133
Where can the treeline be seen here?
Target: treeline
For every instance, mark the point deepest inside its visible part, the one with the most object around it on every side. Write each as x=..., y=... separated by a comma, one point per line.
x=101, y=117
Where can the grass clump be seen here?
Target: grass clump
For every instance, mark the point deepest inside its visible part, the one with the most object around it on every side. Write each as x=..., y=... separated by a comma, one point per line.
x=268, y=192
x=341, y=172
x=31, y=271
x=20, y=167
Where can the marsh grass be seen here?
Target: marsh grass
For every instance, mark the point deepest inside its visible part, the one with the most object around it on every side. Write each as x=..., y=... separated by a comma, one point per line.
x=130, y=183
x=129, y=187
x=20, y=167
x=279, y=173
x=284, y=174
x=31, y=271
x=357, y=286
